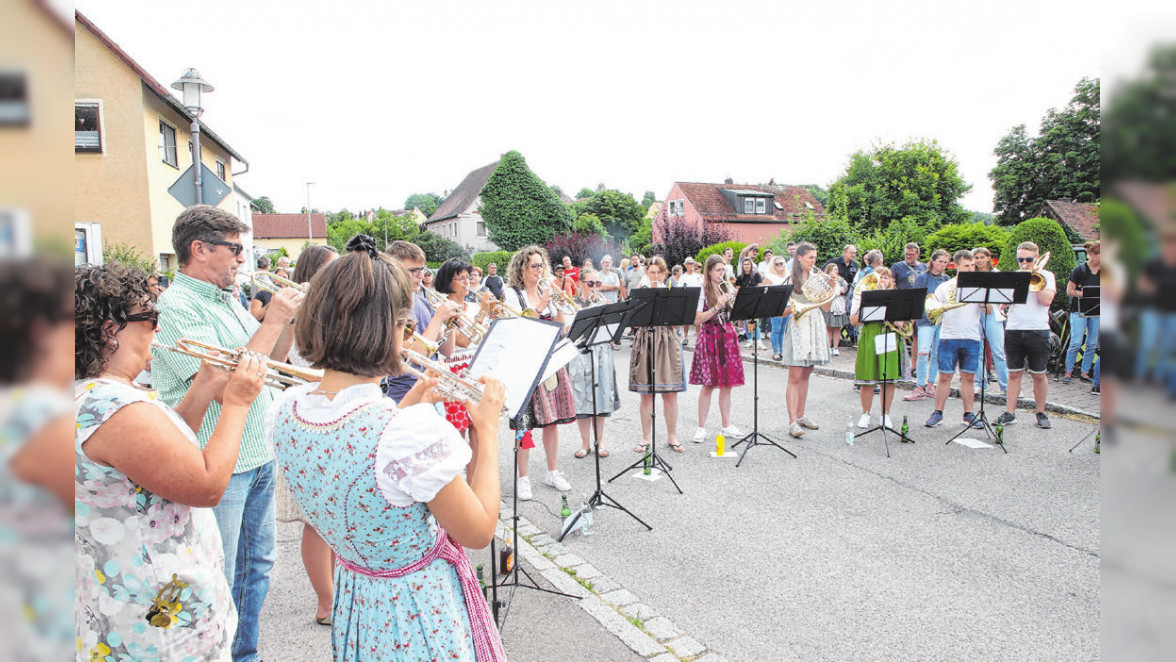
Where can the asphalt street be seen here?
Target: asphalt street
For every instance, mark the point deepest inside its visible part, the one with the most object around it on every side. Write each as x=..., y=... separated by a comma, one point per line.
x=938, y=552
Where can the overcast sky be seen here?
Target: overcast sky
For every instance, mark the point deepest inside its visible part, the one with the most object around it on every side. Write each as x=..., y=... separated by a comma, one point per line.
x=373, y=101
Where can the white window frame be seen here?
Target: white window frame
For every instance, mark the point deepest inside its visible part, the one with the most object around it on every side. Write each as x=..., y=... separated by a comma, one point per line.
x=101, y=126
x=221, y=171
x=481, y=228
x=761, y=206
x=175, y=144
x=748, y=205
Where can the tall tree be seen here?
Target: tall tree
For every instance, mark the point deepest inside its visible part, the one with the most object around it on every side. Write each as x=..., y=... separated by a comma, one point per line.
x=919, y=180
x=648, y=199
x=262, y=205
x=1063, y=162
x=1141, y=136
x=585, y=193
x=619, y=212
x=519, y=208
x=426, y=202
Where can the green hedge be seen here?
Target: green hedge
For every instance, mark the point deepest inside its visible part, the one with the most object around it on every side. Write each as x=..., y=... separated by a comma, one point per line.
x=1048, y=236
x=967, y=236
x=718, y=249
x=501, y=258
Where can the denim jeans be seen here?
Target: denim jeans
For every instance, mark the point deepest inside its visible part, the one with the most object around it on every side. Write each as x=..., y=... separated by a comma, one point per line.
x=928, y=356
x=245, y=517
x=1096, y=376
x=1080, y=325
x=993, y=331
x=778, y=326
x=1157, y=330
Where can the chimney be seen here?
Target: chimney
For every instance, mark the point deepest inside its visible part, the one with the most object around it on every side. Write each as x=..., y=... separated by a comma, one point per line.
x=729, y=181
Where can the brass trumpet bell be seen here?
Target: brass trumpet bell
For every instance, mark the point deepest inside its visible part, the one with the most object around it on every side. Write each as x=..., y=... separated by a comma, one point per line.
x=1037, y=280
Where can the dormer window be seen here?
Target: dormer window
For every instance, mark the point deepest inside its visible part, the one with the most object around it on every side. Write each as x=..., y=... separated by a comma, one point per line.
x=755, y=205
x=749, y=205
x=761, y=206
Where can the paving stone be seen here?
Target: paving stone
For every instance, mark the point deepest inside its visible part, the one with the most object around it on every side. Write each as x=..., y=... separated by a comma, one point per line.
x=529, y=529
x=542, y=540
x=641, y=643
x=661, y=628
x=536, y=559
x=603, y=584
x=556, y=549
x=685, y=646
x=711, y=657
x=638, y=610
x=568, y=560
x=565, y=582
x=587, y=571
x=664, y=657
x=619, y=598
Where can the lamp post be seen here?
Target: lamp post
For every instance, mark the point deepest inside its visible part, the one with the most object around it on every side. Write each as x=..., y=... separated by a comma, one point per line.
x=309, y=227
x=193, y=88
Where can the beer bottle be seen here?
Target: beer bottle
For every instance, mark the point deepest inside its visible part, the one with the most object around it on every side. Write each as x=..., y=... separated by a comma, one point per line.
x=906, y=428
x=506, y=559
x=648, y=460
x=999, y=432
x=481, y=580
x=565, y=512
x=1098, y=441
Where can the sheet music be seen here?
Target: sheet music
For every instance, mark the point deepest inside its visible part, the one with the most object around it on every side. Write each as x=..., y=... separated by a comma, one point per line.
x=513, y=352
x=562, y=355
x=885, y=343
x=976, y=295
x=873, y=314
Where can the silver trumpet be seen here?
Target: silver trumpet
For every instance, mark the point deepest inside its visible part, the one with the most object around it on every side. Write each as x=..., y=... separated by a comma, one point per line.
x=264, y=280
x=449, y=385
x=278, y=375
x=559, y=299
x=463, y=323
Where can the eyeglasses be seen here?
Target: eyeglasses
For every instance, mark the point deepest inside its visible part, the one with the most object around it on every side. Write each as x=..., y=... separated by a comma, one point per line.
x=145, y=316
x=236, y=248
x=536, y=266
x=593, y=283
x=464, y=279
x=416, y=271
x=1025, y=259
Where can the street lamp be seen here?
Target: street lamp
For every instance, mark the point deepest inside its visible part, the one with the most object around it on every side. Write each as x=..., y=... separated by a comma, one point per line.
x=309, y=227
x=193, y=88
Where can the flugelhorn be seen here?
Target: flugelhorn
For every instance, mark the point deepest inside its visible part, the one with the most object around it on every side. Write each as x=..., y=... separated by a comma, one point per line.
x=935, y=310
x=728, y=288
x=562, y=302
x=1037, y=280
x=264, y=280
x=279, y=375
x=462, y=322
x=819, y=290
x=449, y=385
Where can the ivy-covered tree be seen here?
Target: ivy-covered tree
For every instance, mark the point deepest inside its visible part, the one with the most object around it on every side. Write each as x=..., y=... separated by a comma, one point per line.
x=519, y=208
x=619, y=212
x=585, y=193
x=919, y=180
x=1063, y=162
x=426, y=202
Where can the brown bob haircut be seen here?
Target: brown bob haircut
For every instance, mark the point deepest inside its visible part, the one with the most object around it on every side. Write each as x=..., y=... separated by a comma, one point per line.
x=352, y=316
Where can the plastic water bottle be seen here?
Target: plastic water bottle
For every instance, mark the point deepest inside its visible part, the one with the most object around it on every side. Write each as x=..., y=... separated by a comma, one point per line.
x=585, y=516
x=849, y=432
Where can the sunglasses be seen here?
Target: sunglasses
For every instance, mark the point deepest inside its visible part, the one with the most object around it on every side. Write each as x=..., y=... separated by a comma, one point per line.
x=593, y=283
x=145, y=316
x=236, y=248
x=1026, y=259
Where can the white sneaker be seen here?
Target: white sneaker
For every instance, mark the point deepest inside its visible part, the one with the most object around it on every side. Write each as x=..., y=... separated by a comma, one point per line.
x=525, y=488
x=804, y=422
x=762, y=347
x=557, y=480
x=834, y=351
x=699, y=436
x=887, y=422
x=732, y=431
x=795, y=430
x=864, y=421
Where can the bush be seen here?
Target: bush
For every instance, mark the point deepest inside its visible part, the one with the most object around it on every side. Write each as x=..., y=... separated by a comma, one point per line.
x=519, y=208
x=130, y=256
x=438, y=248
x=1127, y=233
x=640, y=240
x=717, y=249
x=1048, y=236
x=677, y=240
x=589, y=224
x=967, y=236
x=829, y=236
x=579, y=247
x=501, y=258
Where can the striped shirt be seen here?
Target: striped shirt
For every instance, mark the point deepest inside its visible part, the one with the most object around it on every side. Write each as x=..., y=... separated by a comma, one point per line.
x=199, y=310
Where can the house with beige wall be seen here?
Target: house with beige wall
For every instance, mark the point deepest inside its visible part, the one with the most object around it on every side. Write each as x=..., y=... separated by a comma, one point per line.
x=272, y=232
x=131, y=144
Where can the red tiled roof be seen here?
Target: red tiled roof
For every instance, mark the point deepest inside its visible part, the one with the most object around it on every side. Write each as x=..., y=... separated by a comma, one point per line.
x=287, y=226
x=152, y=83
x=1082, y=217
x=708, y=200
x=465, y=194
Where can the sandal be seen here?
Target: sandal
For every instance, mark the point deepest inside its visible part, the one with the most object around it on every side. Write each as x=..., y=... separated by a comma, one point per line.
x=325, y=620
x=581, y=454
x=602, y=452
x=641, y=448
x=678, y=448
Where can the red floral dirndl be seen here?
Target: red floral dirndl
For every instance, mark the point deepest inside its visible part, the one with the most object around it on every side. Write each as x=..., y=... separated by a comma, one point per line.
x=456, y=412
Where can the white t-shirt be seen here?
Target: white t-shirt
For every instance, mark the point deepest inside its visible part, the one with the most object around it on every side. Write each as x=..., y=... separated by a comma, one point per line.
x=960, y=323
x=764, y=267
x=1031, y=315
x=511, y=299
x=610, y=278
x=773, y=279
x=691, y=280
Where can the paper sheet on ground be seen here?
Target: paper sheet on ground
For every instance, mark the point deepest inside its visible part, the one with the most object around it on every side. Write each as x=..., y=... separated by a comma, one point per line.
x=972, y=443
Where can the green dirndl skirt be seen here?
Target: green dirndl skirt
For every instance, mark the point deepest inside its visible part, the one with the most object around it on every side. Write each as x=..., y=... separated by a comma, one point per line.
x=869, y=367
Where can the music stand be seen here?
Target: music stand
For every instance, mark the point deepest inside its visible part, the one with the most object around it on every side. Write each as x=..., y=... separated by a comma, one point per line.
x=1088, y=303
x=595, y=326
x=986, y=288
x=759, y=302
x=663, y=307
x=892, y=306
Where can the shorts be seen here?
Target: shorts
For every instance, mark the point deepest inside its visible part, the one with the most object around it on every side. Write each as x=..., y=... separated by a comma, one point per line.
x=1027, y=348
x=962, y=353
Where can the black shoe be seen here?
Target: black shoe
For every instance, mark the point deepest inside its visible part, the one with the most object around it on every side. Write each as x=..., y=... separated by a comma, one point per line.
x=1042, y=420
x=1007, y=419
x=1085, y=378
x=1095, y=389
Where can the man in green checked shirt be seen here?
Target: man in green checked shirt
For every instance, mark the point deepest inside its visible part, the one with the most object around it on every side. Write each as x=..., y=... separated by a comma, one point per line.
x=200, y=305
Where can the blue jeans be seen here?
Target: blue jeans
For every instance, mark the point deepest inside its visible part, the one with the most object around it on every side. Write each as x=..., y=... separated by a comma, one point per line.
x=778, y=326
x=1096, y=376
x=245, y=517
x=1080, y=325
x=993, y=330
x=928, y=343
x=965, y=354
x=1157, y=330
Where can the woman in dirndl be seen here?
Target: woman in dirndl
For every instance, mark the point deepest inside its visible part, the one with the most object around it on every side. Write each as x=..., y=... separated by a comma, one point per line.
x=607, y=398
x=837, y=316
x=806, y=341
x=871, y=367
x=662, y=345
x=552, y=403
x=717, y=362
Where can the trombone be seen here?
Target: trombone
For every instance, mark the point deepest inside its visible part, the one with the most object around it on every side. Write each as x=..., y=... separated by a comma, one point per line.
x=278, y=375
x=273, y=283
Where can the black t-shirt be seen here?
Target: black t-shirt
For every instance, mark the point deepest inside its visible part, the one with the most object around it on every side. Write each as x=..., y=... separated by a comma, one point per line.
x=1081, y=276
x=752, y=279
x=846, y=271
x=1163, y=276
x=263, y=296
x=494, y=284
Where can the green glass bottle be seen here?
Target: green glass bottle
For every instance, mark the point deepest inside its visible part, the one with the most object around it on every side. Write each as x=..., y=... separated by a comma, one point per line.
x=648, y=469
x=481, y=580
x=564, y=512
x=999, y=432
x=1098, y=441
x=906, y=428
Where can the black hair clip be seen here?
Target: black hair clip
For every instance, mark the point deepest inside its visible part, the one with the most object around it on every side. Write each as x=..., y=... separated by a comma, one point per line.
x=363, y=242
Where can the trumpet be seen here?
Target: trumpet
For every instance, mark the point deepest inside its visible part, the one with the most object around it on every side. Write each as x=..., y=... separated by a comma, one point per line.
x=503, y=311
x=935, y=310
x=410, y=335
x=728, y=288
x=819, y=290
x=559, y=298
x=264, y=280
x=278, y=375
x=462, y=322
x=449, y=385
x=1037, y=280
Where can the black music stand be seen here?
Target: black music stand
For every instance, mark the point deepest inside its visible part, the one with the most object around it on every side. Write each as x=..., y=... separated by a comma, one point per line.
x=986, y=288
x=595, y=326
x=759, y=302
x=1088, y=303
x=892, y=306
x=663, y=307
